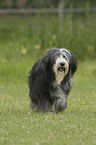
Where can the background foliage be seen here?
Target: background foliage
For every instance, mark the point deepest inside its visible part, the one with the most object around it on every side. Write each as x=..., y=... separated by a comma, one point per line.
x=44, y=3
x=25, y=35
x=24, y=38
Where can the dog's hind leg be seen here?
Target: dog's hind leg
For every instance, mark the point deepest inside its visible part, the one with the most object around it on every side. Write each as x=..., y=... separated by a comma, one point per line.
x=44, y=105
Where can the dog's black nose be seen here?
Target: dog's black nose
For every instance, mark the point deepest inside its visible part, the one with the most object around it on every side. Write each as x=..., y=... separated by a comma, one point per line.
x=62, y=64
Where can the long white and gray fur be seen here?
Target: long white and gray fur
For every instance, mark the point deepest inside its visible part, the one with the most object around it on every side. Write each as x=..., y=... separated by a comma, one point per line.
x=50, y=80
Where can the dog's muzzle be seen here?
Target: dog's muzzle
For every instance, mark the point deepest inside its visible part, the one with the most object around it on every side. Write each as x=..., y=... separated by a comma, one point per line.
x=61, y=67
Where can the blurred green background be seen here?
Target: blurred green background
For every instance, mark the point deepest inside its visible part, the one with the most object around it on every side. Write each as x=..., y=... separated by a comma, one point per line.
x=26, y=36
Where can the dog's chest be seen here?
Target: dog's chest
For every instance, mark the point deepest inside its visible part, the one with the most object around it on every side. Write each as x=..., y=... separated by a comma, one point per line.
x=59, y=77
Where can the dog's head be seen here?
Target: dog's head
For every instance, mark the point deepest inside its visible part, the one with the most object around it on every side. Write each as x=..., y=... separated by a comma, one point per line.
x=64, y=63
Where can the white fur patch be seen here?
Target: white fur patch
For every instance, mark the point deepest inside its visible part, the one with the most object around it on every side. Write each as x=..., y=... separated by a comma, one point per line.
x=60, y=74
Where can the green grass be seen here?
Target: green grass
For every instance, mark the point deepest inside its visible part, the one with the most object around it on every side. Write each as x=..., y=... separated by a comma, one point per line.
x=20, y=125
x=22, y=42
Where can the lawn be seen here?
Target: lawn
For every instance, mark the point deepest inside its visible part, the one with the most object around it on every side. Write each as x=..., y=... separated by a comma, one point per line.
x=19, y=125
x=22, y=42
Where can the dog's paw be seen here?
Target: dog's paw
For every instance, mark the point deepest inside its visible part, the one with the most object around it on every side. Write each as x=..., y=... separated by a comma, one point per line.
x=45, y=106
x=60, y=105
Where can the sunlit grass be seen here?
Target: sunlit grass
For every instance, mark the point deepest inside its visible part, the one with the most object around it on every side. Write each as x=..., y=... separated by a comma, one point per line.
x=20, y=125
x=23, y=42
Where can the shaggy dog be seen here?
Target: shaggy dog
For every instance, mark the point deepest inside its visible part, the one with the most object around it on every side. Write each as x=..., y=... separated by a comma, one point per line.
x=50, y=80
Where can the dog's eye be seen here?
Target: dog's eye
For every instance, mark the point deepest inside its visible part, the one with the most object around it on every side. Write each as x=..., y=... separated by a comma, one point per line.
x=58, y=55
x=64, y=56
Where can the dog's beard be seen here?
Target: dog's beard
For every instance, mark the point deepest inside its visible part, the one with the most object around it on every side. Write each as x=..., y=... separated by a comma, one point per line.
x=60, y=68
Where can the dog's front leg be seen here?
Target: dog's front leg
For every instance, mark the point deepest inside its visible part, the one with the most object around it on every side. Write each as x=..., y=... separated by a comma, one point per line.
x=44, y=105
x=60, y=104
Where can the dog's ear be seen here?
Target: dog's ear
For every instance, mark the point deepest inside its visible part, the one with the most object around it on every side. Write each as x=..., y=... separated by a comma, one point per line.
x=73, y=65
